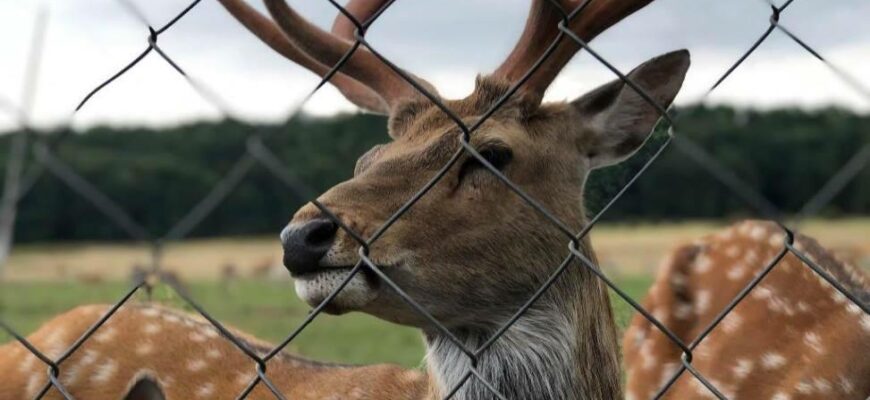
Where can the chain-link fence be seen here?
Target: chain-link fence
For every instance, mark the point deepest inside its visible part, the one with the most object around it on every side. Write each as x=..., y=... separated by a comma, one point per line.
x=21, y=177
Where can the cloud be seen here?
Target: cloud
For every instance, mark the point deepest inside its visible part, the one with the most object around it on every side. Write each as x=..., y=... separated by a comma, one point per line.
x=448, y=42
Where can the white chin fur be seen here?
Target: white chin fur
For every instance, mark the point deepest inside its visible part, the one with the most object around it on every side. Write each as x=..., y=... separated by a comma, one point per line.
x=314, y=288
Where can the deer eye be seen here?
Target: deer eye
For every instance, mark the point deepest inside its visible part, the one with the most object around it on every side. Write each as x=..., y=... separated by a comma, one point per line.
x=499, y=156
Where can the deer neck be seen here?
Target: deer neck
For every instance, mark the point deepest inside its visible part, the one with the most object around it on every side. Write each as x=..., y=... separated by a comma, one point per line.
x=564, y=347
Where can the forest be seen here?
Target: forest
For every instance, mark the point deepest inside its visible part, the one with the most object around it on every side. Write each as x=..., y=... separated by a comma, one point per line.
x=157, y=176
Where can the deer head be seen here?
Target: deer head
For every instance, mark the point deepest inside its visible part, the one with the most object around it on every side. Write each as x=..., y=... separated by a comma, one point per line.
x=470, y=251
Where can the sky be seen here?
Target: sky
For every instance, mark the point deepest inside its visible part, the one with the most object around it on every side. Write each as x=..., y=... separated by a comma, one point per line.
x=447, y=42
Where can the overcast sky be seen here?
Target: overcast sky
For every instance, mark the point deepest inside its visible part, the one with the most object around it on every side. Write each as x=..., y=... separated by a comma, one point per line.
x=445, y=41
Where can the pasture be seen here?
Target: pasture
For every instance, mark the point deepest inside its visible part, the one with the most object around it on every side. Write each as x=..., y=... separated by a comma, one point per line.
x=241, y=283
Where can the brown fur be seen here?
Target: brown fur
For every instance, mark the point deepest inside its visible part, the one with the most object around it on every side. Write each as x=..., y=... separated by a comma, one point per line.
x=792, y=337
x=185, y=357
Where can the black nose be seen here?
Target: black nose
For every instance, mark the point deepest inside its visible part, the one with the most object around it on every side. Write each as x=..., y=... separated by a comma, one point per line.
x=304, y=245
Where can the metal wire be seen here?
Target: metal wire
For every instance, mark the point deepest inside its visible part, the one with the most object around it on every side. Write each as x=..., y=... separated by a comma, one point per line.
x=257, y=153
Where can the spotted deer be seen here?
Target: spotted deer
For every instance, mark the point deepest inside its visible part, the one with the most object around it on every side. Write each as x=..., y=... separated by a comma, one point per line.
x=470, y=252
x=793, y=337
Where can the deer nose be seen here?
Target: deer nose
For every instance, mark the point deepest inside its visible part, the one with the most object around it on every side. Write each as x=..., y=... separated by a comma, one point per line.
x=305, y=244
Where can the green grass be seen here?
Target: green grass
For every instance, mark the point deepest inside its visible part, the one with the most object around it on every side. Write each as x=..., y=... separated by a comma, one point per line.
x=269, y=310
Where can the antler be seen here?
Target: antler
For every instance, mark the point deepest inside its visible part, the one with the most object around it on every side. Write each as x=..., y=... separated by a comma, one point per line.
x=542, y=27
x=364, y=79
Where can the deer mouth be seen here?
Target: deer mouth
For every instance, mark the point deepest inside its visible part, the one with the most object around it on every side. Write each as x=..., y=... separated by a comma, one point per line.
x=350, y=292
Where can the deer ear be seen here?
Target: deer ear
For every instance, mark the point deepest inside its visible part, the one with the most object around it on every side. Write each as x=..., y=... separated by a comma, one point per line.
x=145, y=389
x=616, y=120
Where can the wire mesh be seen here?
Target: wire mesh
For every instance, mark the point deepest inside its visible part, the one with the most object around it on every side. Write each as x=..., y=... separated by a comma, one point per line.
x=45, y=160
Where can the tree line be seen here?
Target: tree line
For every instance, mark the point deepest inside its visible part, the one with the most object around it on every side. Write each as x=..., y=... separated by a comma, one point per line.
x=158, y=175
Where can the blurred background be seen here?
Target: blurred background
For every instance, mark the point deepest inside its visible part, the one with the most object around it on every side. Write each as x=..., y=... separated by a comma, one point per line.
x=785, y=123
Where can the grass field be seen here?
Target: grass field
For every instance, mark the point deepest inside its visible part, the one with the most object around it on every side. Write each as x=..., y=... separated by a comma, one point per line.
x=622, y=249
x=43, y=280
x=269, y=310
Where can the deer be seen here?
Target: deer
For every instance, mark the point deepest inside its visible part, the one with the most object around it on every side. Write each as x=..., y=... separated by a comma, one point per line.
x=470, y=252
x=793, y=336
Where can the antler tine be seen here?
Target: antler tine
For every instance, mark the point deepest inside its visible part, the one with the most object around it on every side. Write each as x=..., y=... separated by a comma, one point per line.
x=268, y=32
x=363, y=10
x=328, y=49
x=542, y=27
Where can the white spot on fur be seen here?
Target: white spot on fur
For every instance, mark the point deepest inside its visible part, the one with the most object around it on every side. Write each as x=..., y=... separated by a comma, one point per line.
x=646, y=356
x=28, y=362
x=846, y=385
x=71, y=374
x=702, y=352
x=780, y=305
x=758, y=232
x=210, y=332
x=751, y=258
x=105, y=334
x=105, y=372
x=151, y=328
x=702, y=390
x=205, y=390
x=639, y=337
x=196, y=365
x=33, y=384
x=736, y=272
x=702, y=301
x=150, y=312
x=814, y=341
x=668, y=371
x=213, y=353
x=761, y=292
x=54, y=343
x=865, y=323
x=196, y=337
x=776, y=240
x=704, y=264
x=772, y=360
x=683, y=311
x=780, y=396
x=854, y=309
x=89, y=357
x=171, y=318
x=803, y=307
x=804, y=387
x=822, y=385
x=732, y=322
x=743, y=368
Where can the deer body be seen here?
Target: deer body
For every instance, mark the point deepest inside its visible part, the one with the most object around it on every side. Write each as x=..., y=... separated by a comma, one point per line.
x=794, y=337
x=185, y=357
x=470, y=252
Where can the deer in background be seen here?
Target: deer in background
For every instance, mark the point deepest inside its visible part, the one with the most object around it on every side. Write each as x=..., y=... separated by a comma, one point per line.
x=793, y=337
x=470, y=251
